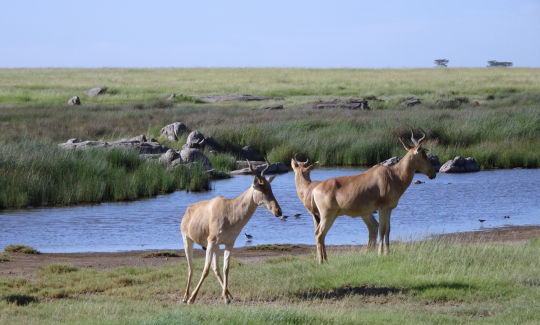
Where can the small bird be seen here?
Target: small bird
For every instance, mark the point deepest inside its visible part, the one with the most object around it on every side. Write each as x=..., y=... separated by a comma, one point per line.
x=481, y=220
x=507, y=217
x=248, y=236
x=283, y=218
x=297, y=215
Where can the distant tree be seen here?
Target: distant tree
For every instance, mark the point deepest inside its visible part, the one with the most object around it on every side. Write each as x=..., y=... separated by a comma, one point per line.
x=495, y=63
x=441, y=62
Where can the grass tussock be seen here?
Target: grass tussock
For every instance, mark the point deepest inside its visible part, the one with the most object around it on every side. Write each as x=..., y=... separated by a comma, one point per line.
x=57, y=269
x=494, y=283
x=23, y=249
x=160, y=254
x=4, y=257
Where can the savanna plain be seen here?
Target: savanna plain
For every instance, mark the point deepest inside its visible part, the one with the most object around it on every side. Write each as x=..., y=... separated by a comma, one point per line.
x=492, y=115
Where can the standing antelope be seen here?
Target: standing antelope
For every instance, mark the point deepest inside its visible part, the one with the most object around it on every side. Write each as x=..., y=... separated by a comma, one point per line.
x=378, y=188
x=304, y=189
x=219, y=221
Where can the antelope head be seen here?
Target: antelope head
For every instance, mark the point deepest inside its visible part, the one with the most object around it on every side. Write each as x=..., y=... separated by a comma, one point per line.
x=262, y=191
x=418, y=156
x=304, y=168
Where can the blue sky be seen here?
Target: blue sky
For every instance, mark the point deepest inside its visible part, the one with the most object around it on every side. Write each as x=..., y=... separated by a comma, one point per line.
x=319, y=34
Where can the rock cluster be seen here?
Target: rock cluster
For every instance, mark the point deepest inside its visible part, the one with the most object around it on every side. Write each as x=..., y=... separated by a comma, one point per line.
x=139, y=143
x=174, y=130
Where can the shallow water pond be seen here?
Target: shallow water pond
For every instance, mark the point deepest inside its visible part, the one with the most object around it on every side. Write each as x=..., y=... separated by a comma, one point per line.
x=449, y=203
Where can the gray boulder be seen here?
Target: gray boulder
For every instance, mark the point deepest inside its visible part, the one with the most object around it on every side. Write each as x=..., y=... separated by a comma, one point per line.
x=135, y=143
x=195, y=140
x=248, y=152
x=174, y=130
x=95, y=91
x=411, y=101
x=273, y=107
x=460, y=165
x=191, y=155
x=169, y=156
x=390, y=161
x=229, y=97
x=354, y=103
x=75, y=100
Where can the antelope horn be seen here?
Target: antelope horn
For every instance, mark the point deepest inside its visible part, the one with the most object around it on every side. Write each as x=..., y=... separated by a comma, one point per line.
x=414, y=141
x=251, y=168
x=295, y=157
x=406, y=146
x=422, y=138
x=267, y=166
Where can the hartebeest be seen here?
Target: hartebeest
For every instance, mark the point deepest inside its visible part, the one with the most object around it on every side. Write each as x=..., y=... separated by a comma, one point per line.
x=304, y=189
x=219, y=221
x=378, y=188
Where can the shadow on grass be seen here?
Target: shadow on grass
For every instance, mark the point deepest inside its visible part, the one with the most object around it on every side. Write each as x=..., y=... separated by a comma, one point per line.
x=341, y=292
x=372, y=291
x=19, y=300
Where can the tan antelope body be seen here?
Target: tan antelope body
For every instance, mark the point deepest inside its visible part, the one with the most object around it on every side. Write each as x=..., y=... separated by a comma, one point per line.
x=219, y=221
x=378, y=188
x=304, y=189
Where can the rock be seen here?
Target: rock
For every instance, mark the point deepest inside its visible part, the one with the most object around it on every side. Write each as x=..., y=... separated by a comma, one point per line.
x=273, y=107
x=355, y=103
x=95, y=91
x=275, y=168
x=142, y=147
x=191, y=155
x=248, y=152
x=169, y=156
x=75, y=100
x=434, y=161
x=452, y=103
x=140, y=138
x=194, y=140
x=411, y=101
x=459, y=165
x=390, y=162
x=244, y=98
x=174, y=130
x=172, y=97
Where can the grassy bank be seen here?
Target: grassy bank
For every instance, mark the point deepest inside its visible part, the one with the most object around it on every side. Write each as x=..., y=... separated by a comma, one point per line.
x=498, y=124
x=33, y=174
x=427, y=282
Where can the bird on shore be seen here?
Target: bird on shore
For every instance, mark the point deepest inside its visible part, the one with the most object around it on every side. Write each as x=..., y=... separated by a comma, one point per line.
x=248, y=236
x=283, y=217
x=481, y=220
x=297, y=215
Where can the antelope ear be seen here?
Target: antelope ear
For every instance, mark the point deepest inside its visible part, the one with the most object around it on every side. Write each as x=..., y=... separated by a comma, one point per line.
x=271, y=178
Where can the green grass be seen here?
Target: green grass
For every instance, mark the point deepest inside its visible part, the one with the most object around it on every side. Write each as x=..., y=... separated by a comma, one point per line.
x=427, y=282
x=18, y=248
x=498, y=124
x=272, y=247
x=32, y=174
x=4, y=257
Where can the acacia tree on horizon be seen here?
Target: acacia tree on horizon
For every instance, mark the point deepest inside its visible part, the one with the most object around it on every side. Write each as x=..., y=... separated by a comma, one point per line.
x=441, y=63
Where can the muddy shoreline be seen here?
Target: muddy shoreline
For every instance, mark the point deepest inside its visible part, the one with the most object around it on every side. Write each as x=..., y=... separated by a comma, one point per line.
x=23, y=265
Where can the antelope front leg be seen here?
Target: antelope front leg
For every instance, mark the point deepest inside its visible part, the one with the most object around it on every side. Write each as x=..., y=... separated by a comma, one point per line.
x=226, y=294
x=209, y=253
x=320, y=235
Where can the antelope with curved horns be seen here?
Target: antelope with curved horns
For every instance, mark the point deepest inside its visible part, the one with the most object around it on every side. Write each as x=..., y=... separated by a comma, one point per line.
x=378, y=188
x=304, y=189
x=219, y=221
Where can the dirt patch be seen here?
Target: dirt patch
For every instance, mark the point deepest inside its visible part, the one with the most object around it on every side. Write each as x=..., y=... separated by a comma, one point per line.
x=25, y=265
